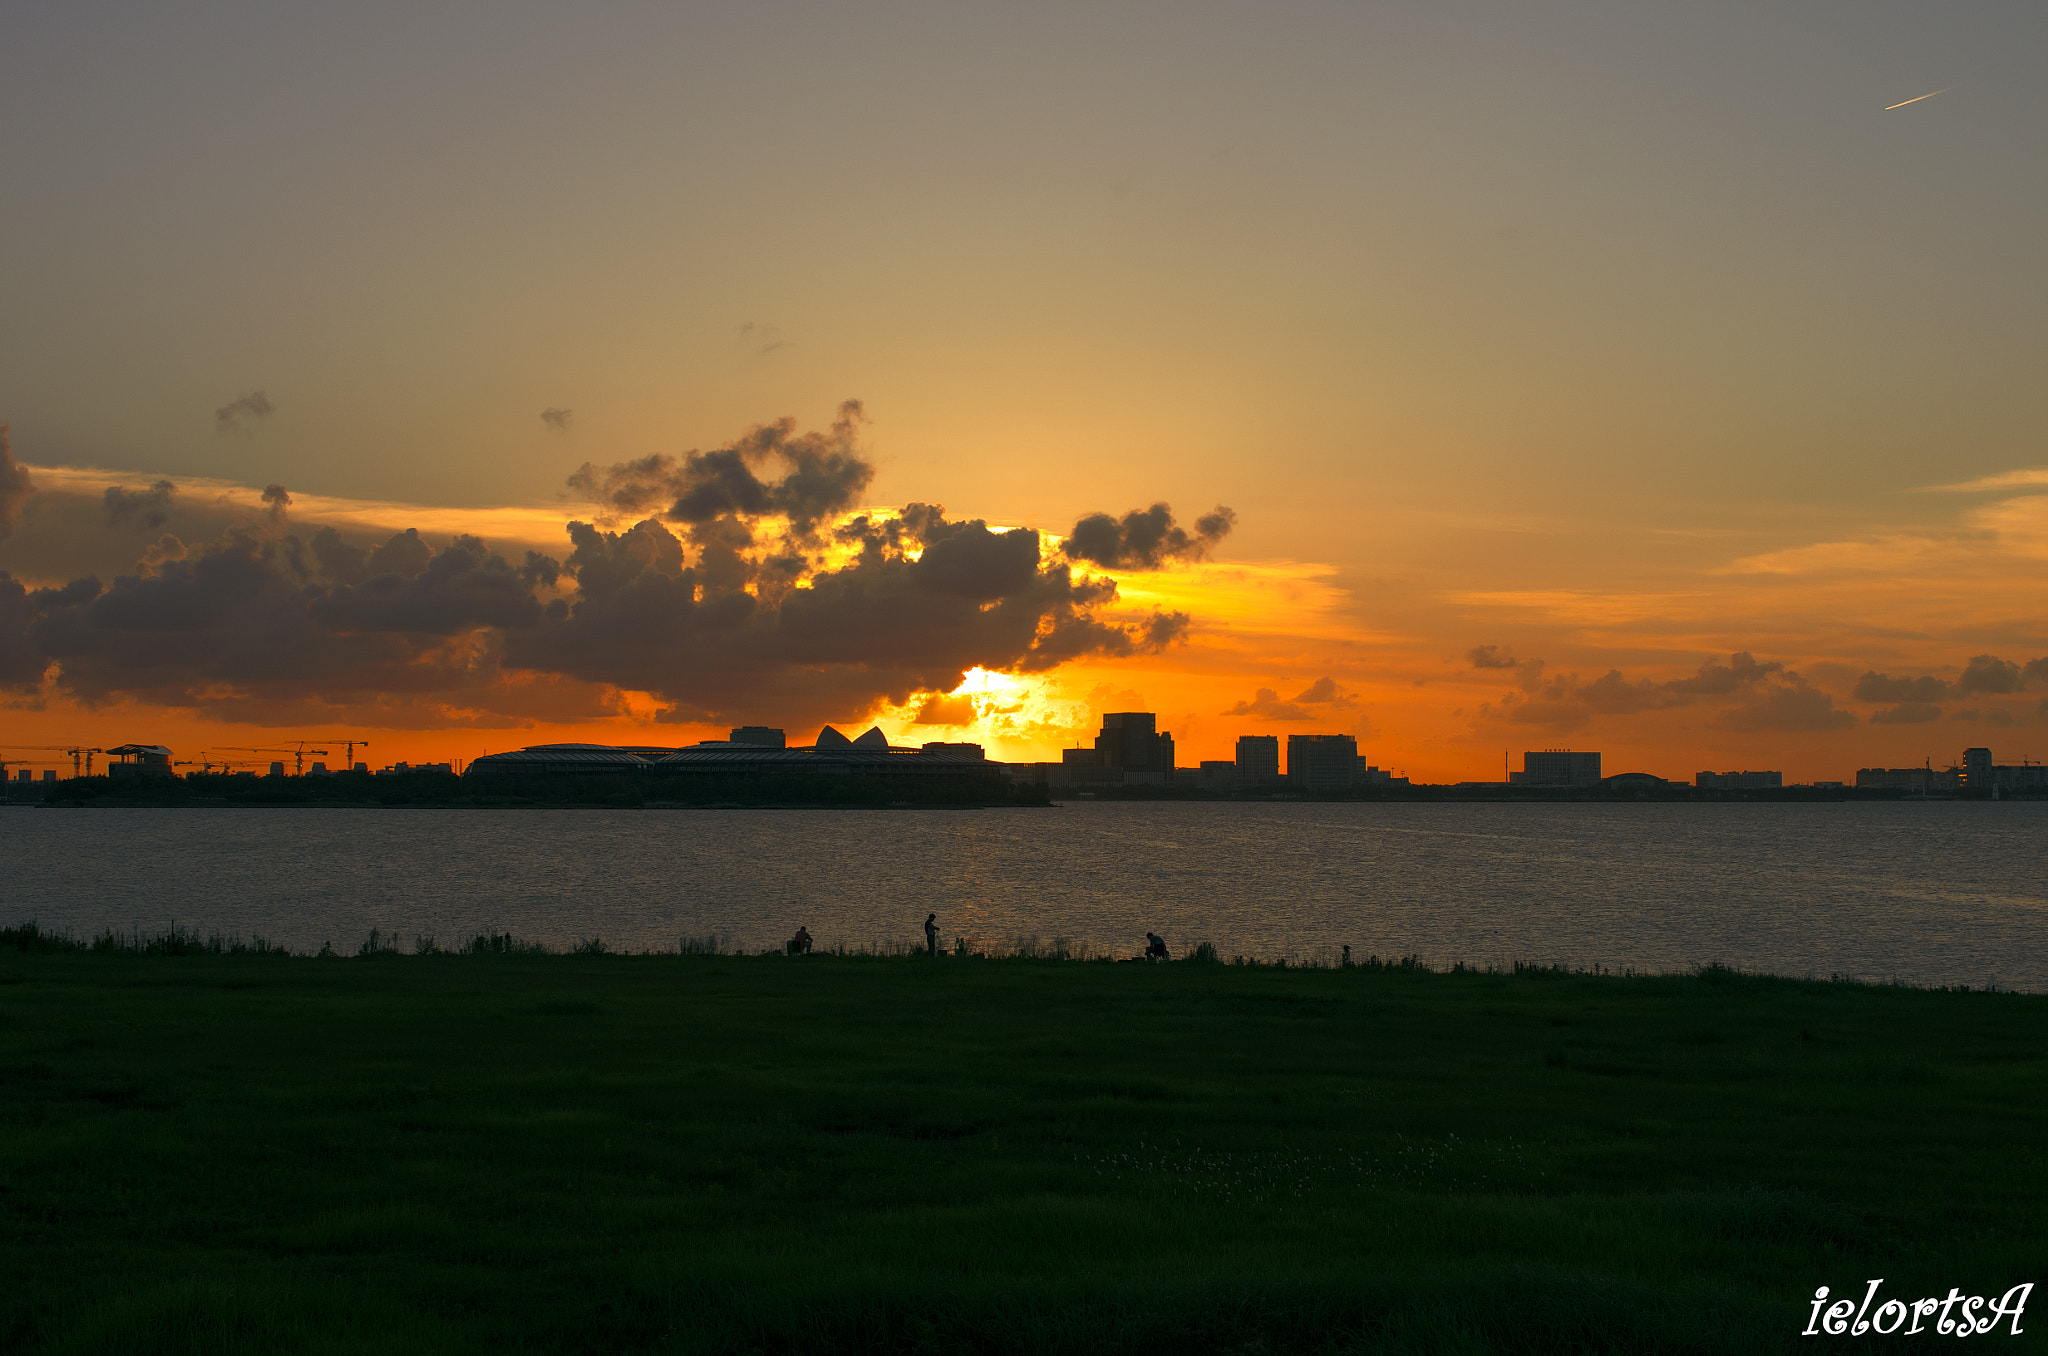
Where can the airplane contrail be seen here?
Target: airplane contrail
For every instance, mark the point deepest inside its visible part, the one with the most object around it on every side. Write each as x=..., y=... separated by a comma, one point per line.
x=1915, y=99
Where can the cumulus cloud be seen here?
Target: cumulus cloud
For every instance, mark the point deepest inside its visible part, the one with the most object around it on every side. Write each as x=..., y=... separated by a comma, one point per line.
x=737, y=593
x=150, y=508
x=1988, y=673
x=1906, y=713
x=1769, y=697
x=1323, y=694
x=1491, y=657
x=823, y=474
x=557, y=420
x=275, y=502
x=1883, y=687
x=1997, y=717
x=1792, y=706
x=1714, y=678
x=1145, y=539
x=254, y=406
x=15, y=486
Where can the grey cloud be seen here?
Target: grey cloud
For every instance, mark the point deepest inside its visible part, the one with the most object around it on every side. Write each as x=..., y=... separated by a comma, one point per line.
x=276, y=501
x=1715, y=679
x=823, y=474
x=1162, y=631
x=1906, y=713
x=1996, y=717
x=1772, y=697
x=723, y=614
x=150, y=508
x=1491, y=657
x=405, y=554
x=1988, y=673
x=1266, y=705
x=1145, y=539
x=1323, y=692
x=229, y=417
x=557, y=420
x=15, y=486
x=1883, y=687
x=1788, y=706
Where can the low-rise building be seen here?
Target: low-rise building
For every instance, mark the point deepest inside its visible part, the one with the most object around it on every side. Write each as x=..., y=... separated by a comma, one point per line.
x=140, y=760
x=1557, y=767
x=1739, y=781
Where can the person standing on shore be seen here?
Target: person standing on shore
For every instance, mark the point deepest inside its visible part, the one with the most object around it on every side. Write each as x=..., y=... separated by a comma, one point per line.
x=931, y=934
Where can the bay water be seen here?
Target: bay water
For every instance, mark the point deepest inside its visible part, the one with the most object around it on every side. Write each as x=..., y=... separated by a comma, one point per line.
x=1940, y=892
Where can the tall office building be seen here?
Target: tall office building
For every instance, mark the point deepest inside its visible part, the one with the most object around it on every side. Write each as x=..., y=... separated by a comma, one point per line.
x=1321, y=763
x=1133, y=750
x=1258, y=760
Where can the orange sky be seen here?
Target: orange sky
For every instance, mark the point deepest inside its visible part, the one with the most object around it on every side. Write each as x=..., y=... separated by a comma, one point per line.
x=1619, y=670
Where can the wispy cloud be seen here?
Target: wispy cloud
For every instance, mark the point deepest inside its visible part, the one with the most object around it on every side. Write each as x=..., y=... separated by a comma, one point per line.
x=253, y=407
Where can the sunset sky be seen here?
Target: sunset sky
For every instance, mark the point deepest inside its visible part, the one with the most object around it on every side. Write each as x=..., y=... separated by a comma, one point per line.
x=1616, y=376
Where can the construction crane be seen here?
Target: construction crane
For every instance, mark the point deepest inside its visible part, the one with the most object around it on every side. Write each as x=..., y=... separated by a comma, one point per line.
x=349, y=758
x=299, y=754
x=75, y=752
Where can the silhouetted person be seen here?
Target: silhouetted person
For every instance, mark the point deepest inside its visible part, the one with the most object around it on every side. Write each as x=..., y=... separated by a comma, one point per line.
x=931, y=934
x=800, y=945
x=1155, y=947
x=1347, y=958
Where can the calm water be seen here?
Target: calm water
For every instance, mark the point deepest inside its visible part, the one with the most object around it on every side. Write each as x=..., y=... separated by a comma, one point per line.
x=1929, y=893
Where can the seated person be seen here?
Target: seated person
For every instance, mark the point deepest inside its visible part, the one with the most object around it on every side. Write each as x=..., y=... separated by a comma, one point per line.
x=1155, y=947
x=800, y=945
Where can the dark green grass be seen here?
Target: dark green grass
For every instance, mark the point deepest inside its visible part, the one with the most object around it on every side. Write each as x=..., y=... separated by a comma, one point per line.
x=508, y=1152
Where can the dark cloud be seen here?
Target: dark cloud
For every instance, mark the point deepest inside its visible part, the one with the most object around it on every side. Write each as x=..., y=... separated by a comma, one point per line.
x=922, y=600
x=1162, y=631
x=730, y=599
x=1791, y=705
x=1323, y=692
x=1906, y=713
x=1491, y=657
x=557, y=420
x=15, y=486
x=822, y=475
x=1266, y=705
x=406, y=554
x=276, y=501
x=150, y=508
x=1771, y=697
x=1716, y=679
x=1988, y=673
x=229, y=417
x=1883, y=687
x=1997, y=717
x=1145, y=539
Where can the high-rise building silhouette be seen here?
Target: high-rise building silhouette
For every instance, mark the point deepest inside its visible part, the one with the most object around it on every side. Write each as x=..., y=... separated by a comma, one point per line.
x=1131, y=741
x=1258, y=760
x=1321, y=763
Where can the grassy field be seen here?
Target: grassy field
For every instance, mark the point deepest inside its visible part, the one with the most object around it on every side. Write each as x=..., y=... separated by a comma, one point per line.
x=499, y=1153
